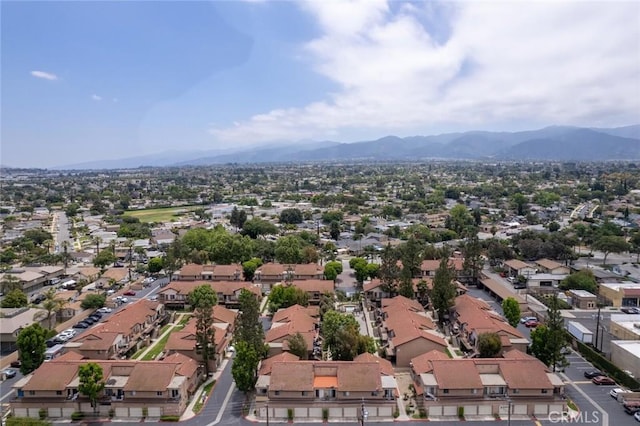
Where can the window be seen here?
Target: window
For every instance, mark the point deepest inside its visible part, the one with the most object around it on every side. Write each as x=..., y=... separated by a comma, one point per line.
x=474, y=391
x=58, y=392
x=545, y=391
x=305, y=393
x=159, y=393
x=174, y=393
x=32, y=393
x=346, y=393
x=277, y=392
x=516, y=391
x=445, y=390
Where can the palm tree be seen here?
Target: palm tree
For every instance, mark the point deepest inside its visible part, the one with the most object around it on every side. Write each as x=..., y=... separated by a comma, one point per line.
x=51, y=305
x=10, y=282
x=65, y=253
x=130, y=243
x=97, y=240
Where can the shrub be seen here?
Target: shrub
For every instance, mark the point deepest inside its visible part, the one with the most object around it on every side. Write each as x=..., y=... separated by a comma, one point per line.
x=145, y=412
x=77, y=415
x=325, y=414
x=396, y=413
x=112, y=412
x=461, y=412
x=290, y=413
x=42, y=413
x=170, y=418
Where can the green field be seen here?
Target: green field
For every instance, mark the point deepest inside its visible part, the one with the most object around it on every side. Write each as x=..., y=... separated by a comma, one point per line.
x=166, y=214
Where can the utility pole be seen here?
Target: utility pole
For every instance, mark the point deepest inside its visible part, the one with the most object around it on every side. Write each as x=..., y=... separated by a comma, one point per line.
x=509, y=414
x=597, y=328
x=363, y=413
x=267, y=407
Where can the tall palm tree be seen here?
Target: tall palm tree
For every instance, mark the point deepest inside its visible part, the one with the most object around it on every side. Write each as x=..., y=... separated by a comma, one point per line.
x=51, y=305
x=97, y=240
x=65, y=253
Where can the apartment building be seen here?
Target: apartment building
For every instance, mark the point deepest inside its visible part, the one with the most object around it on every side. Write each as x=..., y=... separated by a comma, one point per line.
x=131, y=388
x=288, y=322
x=195, y=272
x=176, y=294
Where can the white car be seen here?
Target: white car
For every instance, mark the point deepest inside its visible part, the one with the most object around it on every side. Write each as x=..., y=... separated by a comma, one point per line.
x=525, y=319
x=637, y=416
x=69, y=331
x=105, y=310
x=617, y=392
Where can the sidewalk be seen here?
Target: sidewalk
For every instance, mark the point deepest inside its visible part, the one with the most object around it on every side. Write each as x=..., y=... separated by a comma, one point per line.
x=154, y=341
x=188, y=412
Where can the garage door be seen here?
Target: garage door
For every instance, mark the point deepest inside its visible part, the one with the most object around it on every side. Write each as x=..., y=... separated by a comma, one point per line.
x=470, y=410
x=557, y=408
x=449, y=410
x=520, y=409
x=350, y=412
x=135, y=412
x=155, y=411
x=34, y=412
x=55, y=412
x=20, y=412
x=484, y=410
x=540, y=409
x=384, y=411
x=122, y=412
x=67, y=412
x=300, y=412
x=435, y=411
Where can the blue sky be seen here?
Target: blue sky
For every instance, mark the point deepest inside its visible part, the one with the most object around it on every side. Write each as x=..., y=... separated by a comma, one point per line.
x=89, y=80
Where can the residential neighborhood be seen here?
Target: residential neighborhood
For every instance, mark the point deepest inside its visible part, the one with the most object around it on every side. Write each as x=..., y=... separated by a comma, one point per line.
x=316, y=300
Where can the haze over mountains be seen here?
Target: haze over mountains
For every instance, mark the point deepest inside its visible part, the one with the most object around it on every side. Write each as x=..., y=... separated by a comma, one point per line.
x=556, y=143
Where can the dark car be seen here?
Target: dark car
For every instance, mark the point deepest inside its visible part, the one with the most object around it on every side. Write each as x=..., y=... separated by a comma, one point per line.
x=16, y=364
x=81, y=324
x=630, y=310
x=38, y=299
x=51, y=342
x=89, y=320
x=603, y=380
x=590, y=374
x=129, y=293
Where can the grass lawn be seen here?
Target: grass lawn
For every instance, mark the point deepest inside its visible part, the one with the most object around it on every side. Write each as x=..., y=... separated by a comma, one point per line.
x=183, y=321
x=166, y=214
x=156, y=349
x=137, y=354
x=165, y=328
x=205, y=392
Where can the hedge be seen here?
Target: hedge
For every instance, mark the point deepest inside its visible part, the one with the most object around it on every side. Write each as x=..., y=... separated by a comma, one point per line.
x=607, y=366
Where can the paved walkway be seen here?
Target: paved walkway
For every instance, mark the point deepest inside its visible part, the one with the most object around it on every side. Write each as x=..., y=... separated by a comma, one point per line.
x=198, y=395
x=169, y=330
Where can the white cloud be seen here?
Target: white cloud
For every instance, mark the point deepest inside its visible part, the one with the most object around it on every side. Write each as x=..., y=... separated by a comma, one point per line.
x=96, y=97
x=504, y=62
x=44, y=75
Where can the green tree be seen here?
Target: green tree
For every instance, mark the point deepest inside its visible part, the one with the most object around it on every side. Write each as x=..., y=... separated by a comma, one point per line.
x=337, y=265
x=406, y=288
x=283, y=296
x=257, y=227
x=104, y=258
x=581, y=280
x=330, y=272
x=155, y=264
x=298, y=346
x=334, y=230
x=443, y=292
x=245, y=366
x=238, y=218
x=489, y=345
x=289, y=249
x=359, y=266
x=511, y=310
x=10, y=282
x=539, y=347
x=557, y=334
x=473, y=260
x=248, y=327
x=91, y=382
x=203, y=299
x=291, y=216
x=334, y=321
x=31, y=347
x=389, y=270
x=519, y=202
x=610, y=244
x=51, y=305
x=249, y=268
x=15, y=299
x=93, y=301
x=459, y=219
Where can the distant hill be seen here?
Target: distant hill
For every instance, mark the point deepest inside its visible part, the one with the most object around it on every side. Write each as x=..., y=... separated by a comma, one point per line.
x=562, y=143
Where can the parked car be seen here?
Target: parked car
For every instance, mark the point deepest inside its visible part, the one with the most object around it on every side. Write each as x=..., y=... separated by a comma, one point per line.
x=9, y=373
x=51, y=342
x=617, y=392
x=16, y=363
x=637, y=416
x=631, y=407
x=70, y=331
x=104, y=310
x=62, y=338
x=89, y=320
x=531, y=323
x=81, y=324
x=603, y=380
x=630, y=310
x=129, y=293
x=525, y=319
x=590, y=374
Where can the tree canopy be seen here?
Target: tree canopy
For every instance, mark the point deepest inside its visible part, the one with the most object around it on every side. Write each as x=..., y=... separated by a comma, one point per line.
x=489, y=345
x=15, y=299
x=511, y=310
x=31, y=347
x=581, y=280
x=91, y=382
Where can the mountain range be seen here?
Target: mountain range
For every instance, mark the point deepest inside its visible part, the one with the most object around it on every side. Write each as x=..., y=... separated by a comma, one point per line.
x=555, y=143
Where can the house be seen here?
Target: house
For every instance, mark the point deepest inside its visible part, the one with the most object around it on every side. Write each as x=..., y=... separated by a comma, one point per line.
x=314, y=288
x=313, y=390
x=428, y=268
x=175, y=294
x=184, y=341
x=271, y=273
x=545, y=280
x=162, y=237
x=517, y=267
x=483, y=386
x=118, y=275
x=472, y=317
x=196, y=272
x=160, y=388
x=288, y=322
x=137, y=323
x=97, y=345
x=582, y=299
x=547, y=266
x=70, y=310
x=406, y=330
x=13, y=320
